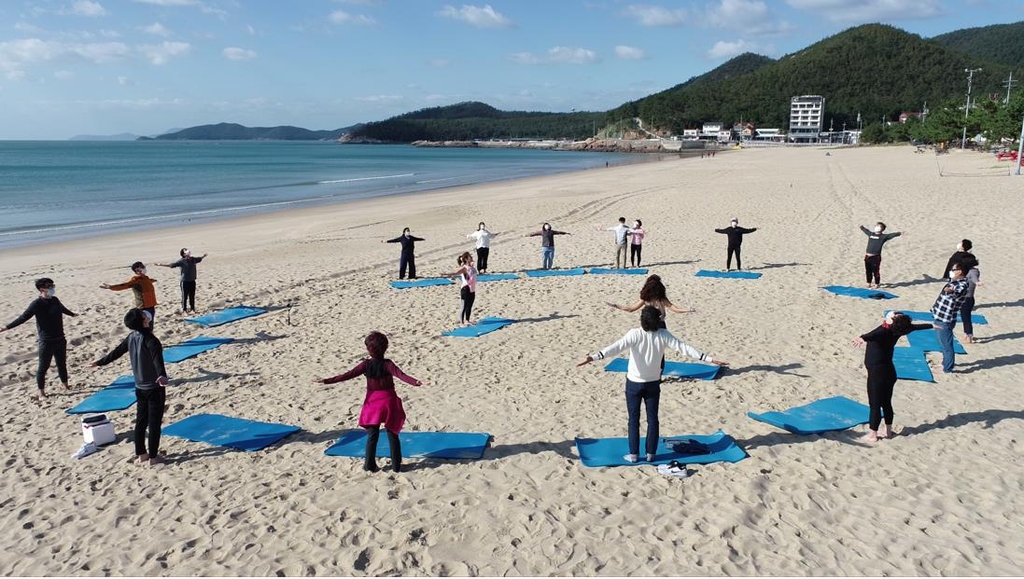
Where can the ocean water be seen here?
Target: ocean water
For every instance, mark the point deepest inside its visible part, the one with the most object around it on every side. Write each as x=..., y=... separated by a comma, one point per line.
x=59, y=190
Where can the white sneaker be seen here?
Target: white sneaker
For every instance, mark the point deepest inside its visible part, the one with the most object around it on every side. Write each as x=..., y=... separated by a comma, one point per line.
x=674, y=468
x=630, y=458
x=87, y=449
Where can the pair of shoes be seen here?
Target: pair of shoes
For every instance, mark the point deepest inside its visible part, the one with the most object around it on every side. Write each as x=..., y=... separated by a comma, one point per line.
x=87, y=449
x=674, y=468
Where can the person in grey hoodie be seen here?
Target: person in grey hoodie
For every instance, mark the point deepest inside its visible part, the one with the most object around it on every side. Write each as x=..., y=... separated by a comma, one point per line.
x=147, y=358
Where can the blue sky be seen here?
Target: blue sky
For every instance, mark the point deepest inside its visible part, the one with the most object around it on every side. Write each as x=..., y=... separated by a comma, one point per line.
x=72, y=67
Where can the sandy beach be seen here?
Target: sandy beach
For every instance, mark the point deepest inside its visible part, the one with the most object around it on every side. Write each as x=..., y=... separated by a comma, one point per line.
x=943, y=498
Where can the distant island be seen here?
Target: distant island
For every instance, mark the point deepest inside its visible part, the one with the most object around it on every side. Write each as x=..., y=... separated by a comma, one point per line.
x=118, y=137
x=236, y=132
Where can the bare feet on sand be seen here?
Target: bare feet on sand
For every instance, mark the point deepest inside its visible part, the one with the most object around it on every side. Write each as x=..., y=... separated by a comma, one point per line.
x=871, y=437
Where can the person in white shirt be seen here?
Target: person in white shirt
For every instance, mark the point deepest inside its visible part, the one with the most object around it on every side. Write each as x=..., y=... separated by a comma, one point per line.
x=622, y=232
x=646, y=345
x=483, y=239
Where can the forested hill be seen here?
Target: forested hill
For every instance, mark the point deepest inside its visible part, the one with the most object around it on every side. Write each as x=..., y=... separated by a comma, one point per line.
x=475, y=120
x=875, y=70
x=235, y=132
x=1002, y=43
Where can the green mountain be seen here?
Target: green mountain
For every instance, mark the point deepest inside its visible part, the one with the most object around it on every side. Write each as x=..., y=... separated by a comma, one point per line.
x=474, y=120
x=874, y=70
x=1002, y=43
x=236, y=132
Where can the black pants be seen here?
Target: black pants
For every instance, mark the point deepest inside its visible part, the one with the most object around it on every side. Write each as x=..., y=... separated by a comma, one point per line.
x=188, y=296
x=649, y=393
x=407, y=261
x=149, y=413
x=48, y=351
x=481, y=258
x=372, y=435
x=873, y=268
x=965, y=315
x=634, y=254
x=468, y=297
x=733, y=250
x=881, y=380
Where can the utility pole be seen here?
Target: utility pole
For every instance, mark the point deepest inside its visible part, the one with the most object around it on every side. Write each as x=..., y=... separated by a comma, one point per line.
x=1008, y=83
x=967, y=109
x=1020, y=147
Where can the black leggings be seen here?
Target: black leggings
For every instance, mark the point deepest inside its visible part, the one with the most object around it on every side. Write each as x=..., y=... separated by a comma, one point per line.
x=481, y=258
x=372, y=435
x=49, y=351
x=188, y=296
x=728, y=259
x=873, y=268
x=407, y=261
x=634, y=254
x=468, y=297
x=881, y=380
x=149, y=412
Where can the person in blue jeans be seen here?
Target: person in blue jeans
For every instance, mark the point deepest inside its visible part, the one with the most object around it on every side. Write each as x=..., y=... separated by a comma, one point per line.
x=945, y=309
x=547, y=244
x=646, y=345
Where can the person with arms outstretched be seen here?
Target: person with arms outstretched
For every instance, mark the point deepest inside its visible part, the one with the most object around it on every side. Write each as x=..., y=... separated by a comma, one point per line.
x=142, y=288
x=483, y=238
x=547, y=244
x=187, y=263
x=735, y=235
x=873, y=253
x=49, y=313
x=408, y=256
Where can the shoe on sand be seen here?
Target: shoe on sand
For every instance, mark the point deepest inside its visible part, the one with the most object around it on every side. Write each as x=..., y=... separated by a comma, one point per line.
x=675, y=469
x=87, y=449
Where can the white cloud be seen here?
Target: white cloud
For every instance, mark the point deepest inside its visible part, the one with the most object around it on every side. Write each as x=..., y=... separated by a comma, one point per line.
x=110, y=34
x=252, y=31
x=100, y=52
x=63, y=75
x=737, y=13
x=655, y=15
x=124, y=81
x=557, y=55
x=162, y=53
x=439, y=63
x=27, y=28
x=85, y=8
x=380, y=98
x=723, y=49
x=629, y=52
x=235, y=53
x=169, y=2
x=156, y=28
x=342, y=17
x=478, y=16
x=15, y=55
x=860, y=11
x=16, y=75
x=568, y=55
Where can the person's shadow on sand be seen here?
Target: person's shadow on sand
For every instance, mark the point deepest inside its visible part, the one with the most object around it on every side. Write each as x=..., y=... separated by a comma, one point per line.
x=784, y=369
x=925, y=278
x=1016, y=304
x=847, y=436
x=989, y=417
x=1010, y=360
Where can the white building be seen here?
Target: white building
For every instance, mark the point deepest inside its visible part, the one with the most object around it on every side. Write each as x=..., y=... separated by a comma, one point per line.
x=806, y=118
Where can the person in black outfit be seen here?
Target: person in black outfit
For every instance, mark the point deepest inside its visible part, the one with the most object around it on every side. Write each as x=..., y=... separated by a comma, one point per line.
x=873, y=252
x=408, y=257
x=880, y=343
x=147, y=358
x=735, y=233
x=49, y=314
x=962, y=251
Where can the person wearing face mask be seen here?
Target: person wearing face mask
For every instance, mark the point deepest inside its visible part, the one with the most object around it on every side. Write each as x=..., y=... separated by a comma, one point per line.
x=547, y=244
x=49, y=313
x=187, y=263
x=947, y=306
x=879, y=345
x=873, y=254
x=142, y=288
x=408, y=257
x=963, y=250
x=636, y=240
x=483, y=239
x=621, y=241
x=735, y=234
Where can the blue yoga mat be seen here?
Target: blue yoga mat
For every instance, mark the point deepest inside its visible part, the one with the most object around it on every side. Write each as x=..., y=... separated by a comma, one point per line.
x=672, y=369
x=465, y=445
x=193, y=347
x=238, y=433
x=608, y=451
x=118, y=396
x=484, y=326
x=496, y=277
x=911, y=364
x=859, y=292
x=554, y=272
x=618, y=271
x=929, y=342
x=225, y=316
x=406, y=284
x=728, y=274
x=837, y=413
x=928, y=317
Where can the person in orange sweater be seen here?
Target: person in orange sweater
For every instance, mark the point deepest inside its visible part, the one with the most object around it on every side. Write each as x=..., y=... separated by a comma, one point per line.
x=141, y=286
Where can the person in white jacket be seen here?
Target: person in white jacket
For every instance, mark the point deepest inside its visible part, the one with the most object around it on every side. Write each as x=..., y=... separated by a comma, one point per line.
x=483, y=239
x=646, y=345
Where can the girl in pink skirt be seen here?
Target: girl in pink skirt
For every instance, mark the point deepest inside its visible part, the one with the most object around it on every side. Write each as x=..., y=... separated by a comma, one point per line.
x=382, y=404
